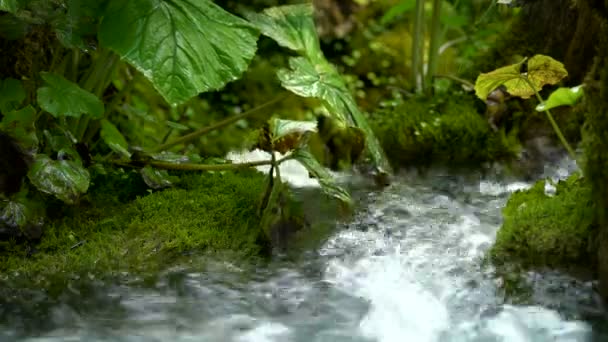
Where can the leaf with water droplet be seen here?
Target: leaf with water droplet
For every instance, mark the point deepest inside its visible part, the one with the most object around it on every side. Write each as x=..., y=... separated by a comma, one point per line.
x=157, y=179
x=541, y=70
x=61, y=97
x=562, y=97
x=65, y=179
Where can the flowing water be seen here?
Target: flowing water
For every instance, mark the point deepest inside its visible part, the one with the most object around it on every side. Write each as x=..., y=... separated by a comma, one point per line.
x=408, y=268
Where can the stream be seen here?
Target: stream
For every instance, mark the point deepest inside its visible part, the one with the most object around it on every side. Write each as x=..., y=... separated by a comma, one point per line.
x=407, y=268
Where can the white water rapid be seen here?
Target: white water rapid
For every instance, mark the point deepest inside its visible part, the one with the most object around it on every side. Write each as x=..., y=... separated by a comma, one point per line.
x=408, y=268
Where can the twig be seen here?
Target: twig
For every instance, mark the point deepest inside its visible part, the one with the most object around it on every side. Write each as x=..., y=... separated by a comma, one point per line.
x=225, y=122
x=201, y=167
x=462, y=81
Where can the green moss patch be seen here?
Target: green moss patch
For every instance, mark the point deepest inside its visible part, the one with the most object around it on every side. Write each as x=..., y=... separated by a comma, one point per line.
x=204, y=213
x=542, y=230
x=420, y=132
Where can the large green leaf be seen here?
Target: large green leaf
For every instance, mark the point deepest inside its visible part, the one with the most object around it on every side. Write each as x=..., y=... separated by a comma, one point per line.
x=61, y=97
x=114, y=139
x=323, y=81
x=312, y=75
x=538, y=71
x=65, y=179
x=291, y=26
x=327, y=182
x=12, y=94
x=183, y=46
x=20, y=125
x=562, y=97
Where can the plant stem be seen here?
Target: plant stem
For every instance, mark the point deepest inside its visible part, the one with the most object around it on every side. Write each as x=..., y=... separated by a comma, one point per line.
x=462, y=81
x=225, y=122
x=204, y=167
x=434, y=45
x=417, y=50
x=552, y=121
x=97, y=82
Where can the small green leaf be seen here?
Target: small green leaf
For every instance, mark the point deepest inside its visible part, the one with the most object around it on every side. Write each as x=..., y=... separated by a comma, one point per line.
x=291, y=26
x=327, y=182
x=290, y=134
x=61, y=97
x=12, y=95
x=23, y=214
x=176, y=125
x=20, y=125
x=157, y=179
x=538, y=70
x=12, y=27
x=114, y=139
x=78, y=27
x=8, y=5
x=184, y=47
x=14, y=214
x=397, y=10
x=65, y=179
x=320, y=81
x=562, y=97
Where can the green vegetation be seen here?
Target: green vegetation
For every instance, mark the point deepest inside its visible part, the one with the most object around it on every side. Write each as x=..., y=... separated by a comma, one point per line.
x=595, y=142
x=116, y=116
x=451, y=131
x=112, y=234
x=525, y=79
x=114, y=94
x=542, y=230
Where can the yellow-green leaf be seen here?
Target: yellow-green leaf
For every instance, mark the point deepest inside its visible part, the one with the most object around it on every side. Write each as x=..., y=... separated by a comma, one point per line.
x=519, y=78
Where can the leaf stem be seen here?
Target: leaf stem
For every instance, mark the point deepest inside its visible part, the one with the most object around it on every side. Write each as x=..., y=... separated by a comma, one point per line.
x=203, y=167
x=434, y=45
x=417, y=48
x=218, y=125
x=552, y=121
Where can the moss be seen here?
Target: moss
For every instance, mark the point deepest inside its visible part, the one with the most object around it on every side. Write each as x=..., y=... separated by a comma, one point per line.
x=542, y=230
x=206, y=213
x=452, y=131
x=595, y=143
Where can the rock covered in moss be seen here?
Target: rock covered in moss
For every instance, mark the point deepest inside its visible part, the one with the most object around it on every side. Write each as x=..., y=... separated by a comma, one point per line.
x=206, y=212
x=540, y=229
x=420, y=132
